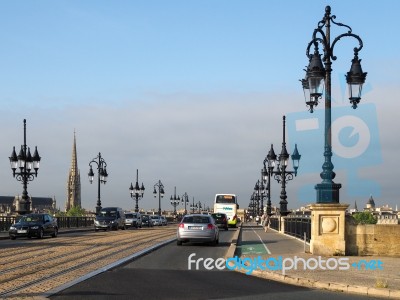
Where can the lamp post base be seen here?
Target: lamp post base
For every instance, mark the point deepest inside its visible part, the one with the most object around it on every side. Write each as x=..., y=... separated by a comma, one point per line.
x=98, y=209
x=328, y=192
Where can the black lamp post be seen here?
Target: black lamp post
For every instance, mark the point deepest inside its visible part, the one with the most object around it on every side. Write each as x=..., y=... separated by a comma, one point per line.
x=269, y=165
x=253, y=204
x=282, y=175
x=102, y=177
x=28, y=167
x=198, y=206
x=160, y=190
x=313, y=83
x=259, y=190
x=185, y=199
x=175, y=201
x=193, y=206
x=137, y=192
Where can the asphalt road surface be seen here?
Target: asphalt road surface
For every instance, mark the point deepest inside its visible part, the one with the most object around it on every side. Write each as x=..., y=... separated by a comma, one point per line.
x=165, y=274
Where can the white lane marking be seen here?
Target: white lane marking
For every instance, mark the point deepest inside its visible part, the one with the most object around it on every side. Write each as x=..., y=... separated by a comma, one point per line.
x=265, y=246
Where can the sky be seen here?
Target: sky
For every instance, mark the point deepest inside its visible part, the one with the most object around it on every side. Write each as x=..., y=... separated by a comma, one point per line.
x=192, y=93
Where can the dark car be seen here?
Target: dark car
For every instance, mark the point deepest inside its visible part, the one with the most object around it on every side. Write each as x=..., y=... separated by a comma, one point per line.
x=146, y=221
x=34, y=225
x=110, y=218
x=221, y=220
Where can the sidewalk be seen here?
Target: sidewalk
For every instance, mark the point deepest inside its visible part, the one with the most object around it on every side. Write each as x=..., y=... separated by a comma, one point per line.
x=254, y=243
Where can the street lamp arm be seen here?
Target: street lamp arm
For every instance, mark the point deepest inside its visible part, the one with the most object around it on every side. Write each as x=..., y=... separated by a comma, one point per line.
x=21, y=177
x=287, y=176
x=356, y=50
x=328, y=49
x=340, y=24
x=315, y=41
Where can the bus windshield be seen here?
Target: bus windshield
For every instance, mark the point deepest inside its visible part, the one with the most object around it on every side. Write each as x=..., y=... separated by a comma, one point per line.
x=225, y=199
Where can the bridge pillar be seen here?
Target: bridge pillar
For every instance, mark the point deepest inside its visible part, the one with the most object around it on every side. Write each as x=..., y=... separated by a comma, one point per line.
x=282, y=221
x=328, y=229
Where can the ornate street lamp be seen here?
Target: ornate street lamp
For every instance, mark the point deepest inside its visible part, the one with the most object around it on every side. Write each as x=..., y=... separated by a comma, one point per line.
x=253, y=204
x=259, y=190
x=269, y=165
x=102, y=176
x=28, y=167
x=282, y=175
x=193, y=206
x=185, y=199
x=175, y=201
x=160, y=190
x=137, y=192
x=198, y=206
x=316, y=76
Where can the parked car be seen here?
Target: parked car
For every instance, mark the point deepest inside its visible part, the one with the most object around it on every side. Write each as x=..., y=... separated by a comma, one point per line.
x=221, y=220
x=128, y=219
x=164, y=221
x=133, y=220
x=197, y=228
x=156, y=220
x=31, y=225
x=110, y=218
x=147, y=221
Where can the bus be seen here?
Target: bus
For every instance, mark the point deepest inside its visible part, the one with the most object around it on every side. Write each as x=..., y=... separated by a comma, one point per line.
x=227, y=204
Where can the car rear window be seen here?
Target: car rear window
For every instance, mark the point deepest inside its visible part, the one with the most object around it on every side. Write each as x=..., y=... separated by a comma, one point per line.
x=218, y=216
x=129, y=216
x=196, y=219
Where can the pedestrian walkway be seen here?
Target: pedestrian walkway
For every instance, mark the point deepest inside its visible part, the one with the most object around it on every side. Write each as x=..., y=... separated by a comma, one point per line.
x=368, y=275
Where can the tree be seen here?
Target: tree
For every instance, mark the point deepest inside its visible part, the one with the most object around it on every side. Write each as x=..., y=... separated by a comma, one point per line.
x=76, y=211
x=364, y=217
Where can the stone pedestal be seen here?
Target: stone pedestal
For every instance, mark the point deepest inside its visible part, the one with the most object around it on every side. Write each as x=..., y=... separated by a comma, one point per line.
x=328, y=229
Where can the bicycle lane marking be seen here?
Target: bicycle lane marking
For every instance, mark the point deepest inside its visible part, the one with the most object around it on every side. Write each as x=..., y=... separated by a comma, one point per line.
x=265, y=246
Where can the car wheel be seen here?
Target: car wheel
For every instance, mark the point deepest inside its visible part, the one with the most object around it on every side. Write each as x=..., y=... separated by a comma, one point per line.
x=55, y=233
x=40, y=234
x=226, y=228
x=124, y=227
x=179, y=243
x=13, y=237
x=96, y=230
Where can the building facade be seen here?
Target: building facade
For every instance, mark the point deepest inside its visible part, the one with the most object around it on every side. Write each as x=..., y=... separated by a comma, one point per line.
x=9, y=205
x=74, y=181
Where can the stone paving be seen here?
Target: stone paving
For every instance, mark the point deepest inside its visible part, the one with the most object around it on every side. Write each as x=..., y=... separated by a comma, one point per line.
x=53, y=262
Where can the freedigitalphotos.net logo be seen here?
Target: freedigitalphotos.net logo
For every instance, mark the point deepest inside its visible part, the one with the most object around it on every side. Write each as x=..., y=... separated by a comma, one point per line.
x=355, y=145
x=280, y=264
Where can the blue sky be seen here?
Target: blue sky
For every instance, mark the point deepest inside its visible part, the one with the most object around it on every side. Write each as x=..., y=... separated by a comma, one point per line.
x=189, y=92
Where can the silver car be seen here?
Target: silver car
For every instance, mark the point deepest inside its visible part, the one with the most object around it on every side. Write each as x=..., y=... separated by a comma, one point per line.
x=156, y=220
x=197, y=228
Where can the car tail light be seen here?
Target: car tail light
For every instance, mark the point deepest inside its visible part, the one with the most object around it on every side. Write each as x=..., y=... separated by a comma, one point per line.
x=210, y=226
x=181, y=225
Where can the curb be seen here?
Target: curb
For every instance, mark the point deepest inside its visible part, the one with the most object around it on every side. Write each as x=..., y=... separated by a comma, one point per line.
x=305, y=282
x=232, y=248
x=331, y=286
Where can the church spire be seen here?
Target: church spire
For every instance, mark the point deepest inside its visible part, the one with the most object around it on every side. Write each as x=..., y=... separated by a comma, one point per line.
x=74, y=181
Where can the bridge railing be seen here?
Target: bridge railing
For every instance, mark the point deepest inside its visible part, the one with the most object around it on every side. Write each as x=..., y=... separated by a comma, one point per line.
x=297, y=226
x=68, y=222
x=63, y=222
x=6, y=222
x=274, y=223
